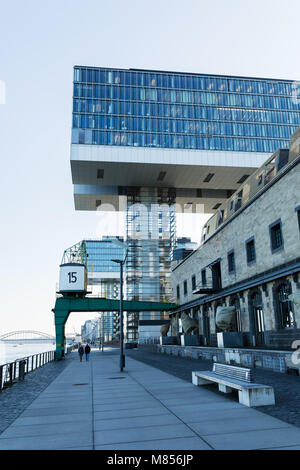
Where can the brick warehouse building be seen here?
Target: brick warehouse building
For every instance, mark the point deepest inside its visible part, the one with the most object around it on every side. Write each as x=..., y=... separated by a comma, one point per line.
x=249, y=258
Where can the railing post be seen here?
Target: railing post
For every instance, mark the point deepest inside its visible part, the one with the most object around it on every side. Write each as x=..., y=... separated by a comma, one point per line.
x=10, y=373
x=1, y=378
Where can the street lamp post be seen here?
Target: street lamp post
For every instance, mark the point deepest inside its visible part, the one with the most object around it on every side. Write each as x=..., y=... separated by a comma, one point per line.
x=122, y=356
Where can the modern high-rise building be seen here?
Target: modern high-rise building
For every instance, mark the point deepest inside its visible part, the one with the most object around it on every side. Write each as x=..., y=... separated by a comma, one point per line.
x=184, y=247
x=153, y=143
x=103, y=276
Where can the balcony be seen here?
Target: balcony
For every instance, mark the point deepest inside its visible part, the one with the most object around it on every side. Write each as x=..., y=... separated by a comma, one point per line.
x=207, y=288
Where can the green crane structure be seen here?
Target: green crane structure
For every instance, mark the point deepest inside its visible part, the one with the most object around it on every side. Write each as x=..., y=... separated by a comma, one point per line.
x=67, y=304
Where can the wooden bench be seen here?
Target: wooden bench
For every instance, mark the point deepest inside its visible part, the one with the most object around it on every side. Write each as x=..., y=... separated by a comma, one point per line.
x=232, y=377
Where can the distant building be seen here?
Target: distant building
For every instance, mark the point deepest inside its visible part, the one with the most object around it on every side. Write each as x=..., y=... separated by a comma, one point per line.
x=184, y=247
x=87, y=331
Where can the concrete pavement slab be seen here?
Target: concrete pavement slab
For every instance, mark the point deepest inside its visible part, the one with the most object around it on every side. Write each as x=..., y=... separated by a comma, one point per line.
x=184, y=401
x=54, y=419
x=285, y=448
x=136, y=422
x=120, y=399
x=132, y=412
x=87, y=403
x=181, y=410
x=53, y=442
x=56, y=411
x=181, y=443
x=257, y=439
x=237, y=424
x=118, y=436
x=225, y=414
x=48, y=429
x=127, y=406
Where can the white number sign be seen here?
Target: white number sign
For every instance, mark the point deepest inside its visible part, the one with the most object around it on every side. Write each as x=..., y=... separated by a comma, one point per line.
x=72, y=278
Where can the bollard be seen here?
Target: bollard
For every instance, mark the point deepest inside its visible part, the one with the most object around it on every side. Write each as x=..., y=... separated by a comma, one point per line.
x=22, y=369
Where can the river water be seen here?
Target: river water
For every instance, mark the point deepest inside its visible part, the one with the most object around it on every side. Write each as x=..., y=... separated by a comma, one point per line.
x=9, y=352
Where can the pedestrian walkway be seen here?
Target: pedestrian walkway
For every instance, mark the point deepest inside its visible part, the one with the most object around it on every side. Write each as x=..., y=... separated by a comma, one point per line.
x=92, y=405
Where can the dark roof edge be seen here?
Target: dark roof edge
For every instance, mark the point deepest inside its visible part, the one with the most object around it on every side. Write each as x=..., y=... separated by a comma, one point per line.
x=188, y=73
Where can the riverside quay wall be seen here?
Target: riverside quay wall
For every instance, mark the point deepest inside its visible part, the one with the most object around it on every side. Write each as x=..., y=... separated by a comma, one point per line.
x=286, y=362
x=249, y=258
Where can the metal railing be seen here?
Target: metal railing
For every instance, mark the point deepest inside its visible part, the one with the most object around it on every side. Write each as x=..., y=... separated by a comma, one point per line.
x=15, y=371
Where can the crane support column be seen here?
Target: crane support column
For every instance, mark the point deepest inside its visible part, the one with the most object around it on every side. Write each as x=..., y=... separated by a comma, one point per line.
x=60, y=321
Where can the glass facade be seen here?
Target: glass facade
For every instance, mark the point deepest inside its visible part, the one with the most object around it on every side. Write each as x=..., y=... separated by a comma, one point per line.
x=179, y=110
x=101, y=252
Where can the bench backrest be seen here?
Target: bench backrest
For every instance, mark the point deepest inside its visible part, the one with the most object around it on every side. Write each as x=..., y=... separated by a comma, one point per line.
x=234, y=372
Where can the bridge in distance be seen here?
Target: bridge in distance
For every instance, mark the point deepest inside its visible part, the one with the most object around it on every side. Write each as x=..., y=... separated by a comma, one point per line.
x=31, y=336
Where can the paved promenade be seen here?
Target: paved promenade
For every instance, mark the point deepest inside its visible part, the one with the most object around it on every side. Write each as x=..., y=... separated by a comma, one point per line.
x=286, y=387
x=94, y=406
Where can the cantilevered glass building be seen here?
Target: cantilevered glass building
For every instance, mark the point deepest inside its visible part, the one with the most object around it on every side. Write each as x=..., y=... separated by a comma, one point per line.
x=154, y=142
x=182, y=111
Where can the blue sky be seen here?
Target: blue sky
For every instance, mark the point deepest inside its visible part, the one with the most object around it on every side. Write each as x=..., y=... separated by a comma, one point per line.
x=40, y=42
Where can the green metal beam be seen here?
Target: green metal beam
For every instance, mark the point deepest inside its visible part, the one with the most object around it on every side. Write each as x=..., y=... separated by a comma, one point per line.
x=65, y=305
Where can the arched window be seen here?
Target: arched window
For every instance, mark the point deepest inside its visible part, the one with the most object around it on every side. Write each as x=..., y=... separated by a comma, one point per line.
x=235, y=302
x=206, y=325
x=257, y=317
x=218, y=304
x=285, y=309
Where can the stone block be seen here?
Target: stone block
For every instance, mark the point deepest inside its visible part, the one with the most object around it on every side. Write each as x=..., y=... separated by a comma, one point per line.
x=224, y=388
x=189, y=340
x=199, y=381
x=262, y=396
x=232, y=339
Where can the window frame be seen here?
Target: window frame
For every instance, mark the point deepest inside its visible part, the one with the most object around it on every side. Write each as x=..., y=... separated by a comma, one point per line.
x=203, y=277
x=185, y=288
x=251, y=239
x=193, y=282
x=271, y=228
x=231, y=253
x=297, y=210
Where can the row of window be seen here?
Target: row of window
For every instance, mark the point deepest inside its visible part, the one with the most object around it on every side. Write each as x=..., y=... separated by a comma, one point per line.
x=103, y=258
x=276, y=244
x=134, y=108
x=185, y=97
x=88, y=136
x=182, y=81
x=179, y=126
x=100, y=250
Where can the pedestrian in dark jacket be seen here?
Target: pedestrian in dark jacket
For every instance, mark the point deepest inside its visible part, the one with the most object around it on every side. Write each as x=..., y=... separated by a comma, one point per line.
x=80, y=352
x=87, y=351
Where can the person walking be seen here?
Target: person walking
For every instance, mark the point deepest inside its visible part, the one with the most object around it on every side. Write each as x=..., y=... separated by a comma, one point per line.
x=87, y=351
x=80, y=352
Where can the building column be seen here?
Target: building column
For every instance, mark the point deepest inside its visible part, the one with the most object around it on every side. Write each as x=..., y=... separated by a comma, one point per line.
x=151, y=232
